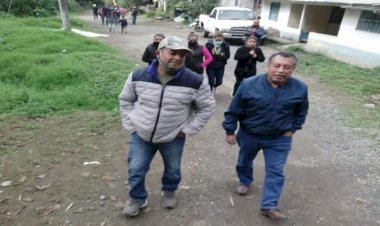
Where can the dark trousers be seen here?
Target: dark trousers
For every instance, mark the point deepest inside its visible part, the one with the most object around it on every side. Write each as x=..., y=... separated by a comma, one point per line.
x=240, y=76
x=215, y=76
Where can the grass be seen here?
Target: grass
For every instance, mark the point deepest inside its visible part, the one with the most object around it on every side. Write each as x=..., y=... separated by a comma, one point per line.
x=355, y=84
x=46, y=71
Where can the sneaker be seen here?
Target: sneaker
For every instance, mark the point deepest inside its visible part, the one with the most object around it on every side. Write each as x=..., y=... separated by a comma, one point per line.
x=169, y=201
x=133, y=206
x=242, y=189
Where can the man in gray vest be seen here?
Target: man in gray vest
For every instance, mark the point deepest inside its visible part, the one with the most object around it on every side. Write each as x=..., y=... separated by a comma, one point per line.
x=160, y=105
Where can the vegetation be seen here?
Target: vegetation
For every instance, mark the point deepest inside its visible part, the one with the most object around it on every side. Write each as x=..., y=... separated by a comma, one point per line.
x=192, y=9
x=44, y=70
x=40, y=8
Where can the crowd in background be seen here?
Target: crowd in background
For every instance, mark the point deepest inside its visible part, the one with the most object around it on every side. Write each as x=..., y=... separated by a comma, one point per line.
x=113, y=16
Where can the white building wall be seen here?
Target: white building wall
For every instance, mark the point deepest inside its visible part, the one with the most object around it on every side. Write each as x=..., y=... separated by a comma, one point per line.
x=282, y=21
x=350, y=45
x=348, y=35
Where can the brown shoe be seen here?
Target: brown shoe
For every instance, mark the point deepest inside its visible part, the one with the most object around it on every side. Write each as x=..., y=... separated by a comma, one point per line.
x=242, y=189
x=273, y=214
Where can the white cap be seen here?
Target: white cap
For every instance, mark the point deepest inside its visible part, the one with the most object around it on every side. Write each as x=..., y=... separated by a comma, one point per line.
x=174, y=43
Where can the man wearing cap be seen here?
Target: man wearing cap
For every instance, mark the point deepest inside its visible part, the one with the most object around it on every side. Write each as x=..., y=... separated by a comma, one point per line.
x=160, y=104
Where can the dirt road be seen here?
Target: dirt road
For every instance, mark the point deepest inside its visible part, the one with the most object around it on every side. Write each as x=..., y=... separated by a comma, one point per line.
x=331, y=177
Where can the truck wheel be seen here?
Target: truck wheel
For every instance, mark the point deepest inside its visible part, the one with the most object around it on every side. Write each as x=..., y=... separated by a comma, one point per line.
x=198, y=28
x=205, y=33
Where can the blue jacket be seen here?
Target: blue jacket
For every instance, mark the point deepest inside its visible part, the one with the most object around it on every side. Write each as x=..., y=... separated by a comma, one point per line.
x=263, y=110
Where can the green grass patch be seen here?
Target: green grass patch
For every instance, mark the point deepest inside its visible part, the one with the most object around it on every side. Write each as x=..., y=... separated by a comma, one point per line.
x=356, y=84
x=45, y=70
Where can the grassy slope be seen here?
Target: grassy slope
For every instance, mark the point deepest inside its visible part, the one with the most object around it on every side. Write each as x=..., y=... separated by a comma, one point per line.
x=45, y=71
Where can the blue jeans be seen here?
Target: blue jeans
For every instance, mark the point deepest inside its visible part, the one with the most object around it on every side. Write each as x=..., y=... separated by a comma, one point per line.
x=140, y=155
x=215, y=76
x=275, y=152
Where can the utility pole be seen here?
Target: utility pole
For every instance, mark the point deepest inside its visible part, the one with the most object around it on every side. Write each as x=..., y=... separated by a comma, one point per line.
x=64, y=15
x=9, y=8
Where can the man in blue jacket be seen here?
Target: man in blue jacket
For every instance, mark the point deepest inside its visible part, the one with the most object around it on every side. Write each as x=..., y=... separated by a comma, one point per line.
x=269, y=108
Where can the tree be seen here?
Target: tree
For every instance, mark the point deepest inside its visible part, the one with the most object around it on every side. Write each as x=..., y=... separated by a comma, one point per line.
x=65, y=15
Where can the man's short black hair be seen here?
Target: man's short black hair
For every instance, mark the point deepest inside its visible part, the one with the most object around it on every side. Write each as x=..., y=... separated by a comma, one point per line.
x=285, y=55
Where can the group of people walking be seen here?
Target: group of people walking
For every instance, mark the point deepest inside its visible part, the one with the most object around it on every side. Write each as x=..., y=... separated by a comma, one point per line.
x=213, y=57
x=169, y=99
x=114, y=16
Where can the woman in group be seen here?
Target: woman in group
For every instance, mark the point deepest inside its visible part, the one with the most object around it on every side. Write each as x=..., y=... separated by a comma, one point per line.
x=247, y=57
x=112, y=21
x=200, y=58
x=220, y=51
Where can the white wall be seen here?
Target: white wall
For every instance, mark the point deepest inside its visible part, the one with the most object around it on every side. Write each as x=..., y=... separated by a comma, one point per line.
x=353, y=54
x=282, y=21
x=348, y=35
x=352, y=46
x=283, y=16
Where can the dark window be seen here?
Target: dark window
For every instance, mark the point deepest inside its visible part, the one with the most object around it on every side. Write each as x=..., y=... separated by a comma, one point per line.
x=274, y=11
x=369, y=21
x=336, y=15
x=213, y=14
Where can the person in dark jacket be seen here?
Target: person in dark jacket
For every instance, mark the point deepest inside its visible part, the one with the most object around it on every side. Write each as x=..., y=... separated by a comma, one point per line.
x=106, y=12
x=247, y=57
x=134, y=12
x=95, y=11
x=270, y=108
x=220, y=51
x=150, y=51
x=256, y=30
x=124, y=23
x=200, y=58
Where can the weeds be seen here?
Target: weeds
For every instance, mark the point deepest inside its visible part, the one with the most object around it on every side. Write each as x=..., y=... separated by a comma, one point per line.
x=46, y=71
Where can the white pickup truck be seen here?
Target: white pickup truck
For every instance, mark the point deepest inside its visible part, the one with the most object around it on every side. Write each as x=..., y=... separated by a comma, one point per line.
x=230, y=21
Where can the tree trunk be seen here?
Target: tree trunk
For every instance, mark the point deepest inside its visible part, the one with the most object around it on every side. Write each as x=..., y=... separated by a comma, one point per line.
x=64, y=15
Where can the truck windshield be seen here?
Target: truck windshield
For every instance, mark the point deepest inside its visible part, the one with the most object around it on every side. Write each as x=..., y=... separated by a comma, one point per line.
x=235, y=15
